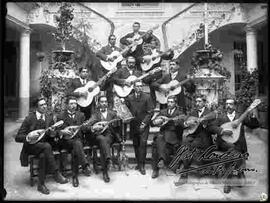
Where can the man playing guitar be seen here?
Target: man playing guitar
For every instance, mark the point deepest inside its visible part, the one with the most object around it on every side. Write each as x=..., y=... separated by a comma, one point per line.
x=72, y=117
x=240, y=145
x=129, y=39
x=104, y=139
x=84, y=77
x=152, y=51
x=40, y=119
x=174, y=74
x=127, y=70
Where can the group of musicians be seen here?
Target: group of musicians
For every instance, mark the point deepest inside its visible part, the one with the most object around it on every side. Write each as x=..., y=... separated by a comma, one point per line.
x=95, y=123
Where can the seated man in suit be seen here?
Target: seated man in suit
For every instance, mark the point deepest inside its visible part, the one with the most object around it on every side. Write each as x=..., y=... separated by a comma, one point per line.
x=75, y=83
x=230, y=114
x=72, y=117
x=170, y=137
x=200, y=139
x=39, y=119
x=106, y=138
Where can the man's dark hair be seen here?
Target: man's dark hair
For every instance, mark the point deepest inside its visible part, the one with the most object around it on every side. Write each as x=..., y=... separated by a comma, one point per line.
x=81, y=68
x=137, y=23
x=35, y=102
x=70, y=98
x=172, y=97
x=101, y=96
x=112, y=35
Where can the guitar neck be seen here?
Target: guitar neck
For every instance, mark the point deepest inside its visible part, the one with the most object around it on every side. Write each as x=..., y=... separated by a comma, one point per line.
x=182, y=82
x=101, y=80
x=243, y=116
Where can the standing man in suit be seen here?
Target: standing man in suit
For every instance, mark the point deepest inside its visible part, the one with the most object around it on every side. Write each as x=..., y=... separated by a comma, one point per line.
x=105, y=139
x=141, y=107
x=170, y=136
x=85, y=76
x=73, y=117
x=127, y=40
x=39, y=119
x=239, y=146
x=174, y=74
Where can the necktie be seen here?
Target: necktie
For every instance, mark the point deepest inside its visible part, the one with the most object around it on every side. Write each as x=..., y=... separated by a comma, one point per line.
x=71, y=115
x=42, y=117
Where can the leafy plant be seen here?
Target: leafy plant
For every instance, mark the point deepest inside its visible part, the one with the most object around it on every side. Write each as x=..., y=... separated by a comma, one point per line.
x=64, y=26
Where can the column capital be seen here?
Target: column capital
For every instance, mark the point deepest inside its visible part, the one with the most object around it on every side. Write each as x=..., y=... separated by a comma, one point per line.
x=26, y=31
x=250, y=30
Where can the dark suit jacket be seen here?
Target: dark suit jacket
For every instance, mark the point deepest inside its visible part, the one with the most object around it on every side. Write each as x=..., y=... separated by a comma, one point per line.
x=74, y=84
x=172, y=131
x=105, y=51
x=203, y=132
x=141, y=108
x=30, y=124
x=68, y=121
x=241, y=144
x=114, y=130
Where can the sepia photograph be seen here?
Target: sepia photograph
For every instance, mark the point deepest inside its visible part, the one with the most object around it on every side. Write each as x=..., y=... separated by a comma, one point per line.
x=135, y=101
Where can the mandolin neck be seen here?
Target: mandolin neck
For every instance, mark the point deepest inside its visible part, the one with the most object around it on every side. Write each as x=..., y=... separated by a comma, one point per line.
x=243, y=116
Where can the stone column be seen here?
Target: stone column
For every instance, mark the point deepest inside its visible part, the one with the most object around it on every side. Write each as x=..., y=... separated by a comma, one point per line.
x=251, y=40
x=24, y=83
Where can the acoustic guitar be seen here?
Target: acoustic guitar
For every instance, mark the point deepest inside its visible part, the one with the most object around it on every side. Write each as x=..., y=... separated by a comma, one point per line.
x=104, y=124
x=92, y=89
x=195, y=122
x=154, y=58
x=123, y=91
x=117, y=56
x=235, y=126
x=137, y=39
x=36, y=135
x=173, y=88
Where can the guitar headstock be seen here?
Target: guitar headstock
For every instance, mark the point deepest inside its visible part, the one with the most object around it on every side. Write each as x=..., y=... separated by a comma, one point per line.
x=255, y=103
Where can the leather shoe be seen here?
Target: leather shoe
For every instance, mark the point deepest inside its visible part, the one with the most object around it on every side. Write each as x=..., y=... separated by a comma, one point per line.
x=161, y=163
x=59, y=178
x=155, y=173
x=109, y=164
x=142, y=170
x=182, y=180
x=227, y=189
x=43, y=189
x=75, y=181
x=87, y=171
x=106, y=177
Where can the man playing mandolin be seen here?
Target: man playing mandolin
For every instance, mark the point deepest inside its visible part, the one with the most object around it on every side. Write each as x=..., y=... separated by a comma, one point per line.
x=231, y=115
x=39, y=119
x=105, y=134
x=72, y=117
x=171, y=122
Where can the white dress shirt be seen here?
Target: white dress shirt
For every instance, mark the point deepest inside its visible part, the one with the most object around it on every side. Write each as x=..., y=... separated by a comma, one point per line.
x=83, y=81
x=104, y=114
x=173, y=75
x=231, y=115
x=201, y=111
x=40, y=116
